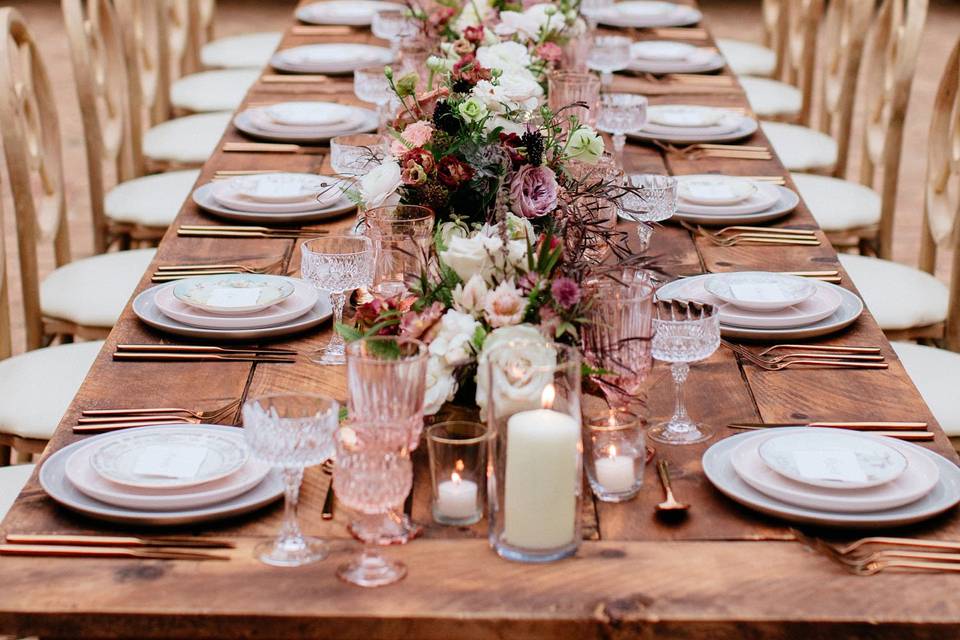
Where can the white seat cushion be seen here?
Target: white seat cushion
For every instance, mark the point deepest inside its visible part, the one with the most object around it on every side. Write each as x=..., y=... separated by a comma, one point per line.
x=38, y=386
x=12, y=480
x=248, y=51
x=898, y=296
x=187, y=140
x=151, y=201
x=838, y=204
x=747, y=58
x=93, y=291
x=213, y=90
x=770, y=98
x=801, y=148
x=935, y=372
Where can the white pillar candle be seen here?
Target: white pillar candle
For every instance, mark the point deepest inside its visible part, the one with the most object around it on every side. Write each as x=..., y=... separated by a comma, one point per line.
x=615, y=473
x=541, y=479
x=456, y=498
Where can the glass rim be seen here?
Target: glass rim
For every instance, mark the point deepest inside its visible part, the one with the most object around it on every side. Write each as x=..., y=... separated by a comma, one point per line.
x=334, y=404
x=340, y=140
x=604, y=281
x=487, y=433
x=304, y=249
x=714, y=312
x=635, y=423
x=423, y=350
x=372, y=213
x=573, y=356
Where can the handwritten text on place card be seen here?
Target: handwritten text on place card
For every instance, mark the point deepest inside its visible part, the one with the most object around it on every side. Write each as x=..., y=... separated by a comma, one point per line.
x=838, y=465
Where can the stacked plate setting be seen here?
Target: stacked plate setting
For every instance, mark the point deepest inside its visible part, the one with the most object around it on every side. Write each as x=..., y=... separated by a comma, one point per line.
x=721, y=200
x=664, y=56
x=165, y=474
x=355, y=13
x=305, y=121
x=647, y=14
x=763, y=305
x=684, y=124
x=233, y=306
x=274, y=197
x=333, y=58
x=833, y=477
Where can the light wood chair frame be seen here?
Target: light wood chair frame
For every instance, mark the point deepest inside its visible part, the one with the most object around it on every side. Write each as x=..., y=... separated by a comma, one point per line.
x=147, y=42
x=798, y=24
x=774, y=14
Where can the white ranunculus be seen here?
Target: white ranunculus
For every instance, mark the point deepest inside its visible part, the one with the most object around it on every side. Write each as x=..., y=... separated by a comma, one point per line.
x=441, y=386
x=469, y=297
x=466, y=256
x=452, y=344
x=522, y=362
x=506, y=56
x=379, y=187
x=522, y=88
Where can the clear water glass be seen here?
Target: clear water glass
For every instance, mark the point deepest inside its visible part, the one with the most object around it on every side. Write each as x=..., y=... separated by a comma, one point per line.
x=574, y=93
x=373, y=475
x=357, y=154
x=619, y=114
x=394, y=25
x=609, y=54
x=370, y=84
x=684, y=332
x=337, y=264
x=291, y=431
x=651, y=198
x=402, y=236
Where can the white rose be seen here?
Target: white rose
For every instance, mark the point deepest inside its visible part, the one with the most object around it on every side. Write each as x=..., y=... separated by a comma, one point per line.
x=522, y=89
x=452, y=344
x=505, y=56
x=379, y=187
x=441, y=386
x=466, y=256
x=520, y=371
x=516, y=23
x=469, y=298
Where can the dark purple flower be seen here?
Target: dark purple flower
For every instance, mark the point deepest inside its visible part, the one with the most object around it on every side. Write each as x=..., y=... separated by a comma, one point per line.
x=565, y=291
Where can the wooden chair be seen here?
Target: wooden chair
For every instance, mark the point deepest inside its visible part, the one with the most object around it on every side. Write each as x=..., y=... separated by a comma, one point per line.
x=789, y=96
x=759, y=60
x=824, y=148
x=860, y=214
x=38, y=385
x=248, y=51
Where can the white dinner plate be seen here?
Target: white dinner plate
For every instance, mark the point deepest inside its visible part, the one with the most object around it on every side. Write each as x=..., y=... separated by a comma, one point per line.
x=308, y=114
x=749, y=212
x=304, y=299
x=688, y=117
x=873, y=460
x=645, y=14
x=233, y=294
x=919, y=479
x=334, y=58
x=145, y=308
x=356, y=13
x=203, y=197
x=54, y=481
x=760, y=290
x=718, y=467
x=851, y=307
x=744, y=127
x=318, y=192
x=367, y=121
x=702, y=60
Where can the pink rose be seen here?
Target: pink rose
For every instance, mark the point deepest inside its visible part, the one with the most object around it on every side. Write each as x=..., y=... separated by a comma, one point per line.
x=534, y=191
x=549, y=51
x=414, y=135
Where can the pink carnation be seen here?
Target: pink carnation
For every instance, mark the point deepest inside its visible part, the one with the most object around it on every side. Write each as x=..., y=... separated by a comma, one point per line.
x=414, y=135
x=534, y=191
x=549, y=51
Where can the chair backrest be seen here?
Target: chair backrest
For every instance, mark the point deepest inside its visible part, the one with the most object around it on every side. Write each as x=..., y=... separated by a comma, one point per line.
x=774, y=13
x=890, y=61
x=147, y=42
x=182, y=60
x=31, y=144
x=799, y=57
x=941, y=216
x=110, y=111
x=841, y=48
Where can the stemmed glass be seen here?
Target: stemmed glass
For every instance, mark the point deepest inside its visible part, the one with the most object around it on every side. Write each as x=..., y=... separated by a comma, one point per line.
x=370, y=84
x=620, y=113
x=684, y=332
x=338, y=264
x=591, y=9
x=609, y=54
x=394, y=25
x=386, y=382
x=402, y=235
x=357, y=154
x=373, y=474
x=651, y=198
x=291, y=432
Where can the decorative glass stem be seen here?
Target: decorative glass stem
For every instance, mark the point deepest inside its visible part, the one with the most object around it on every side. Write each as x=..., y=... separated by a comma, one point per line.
x=645, y=232
x=290, y=536
x=619, y=142
x=606, y=79
x=680, y=420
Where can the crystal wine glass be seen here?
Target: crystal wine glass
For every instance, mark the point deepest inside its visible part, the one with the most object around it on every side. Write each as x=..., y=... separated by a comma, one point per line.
x=338, y=264
x=684, y=332
x=592, y=9
x=402, y=235
x=291, y=432
x=609, y=54
x=357, y=154
x=651, y=198
x=370, y=84
x=373, y=474
x=620, y=113
x=394, y=25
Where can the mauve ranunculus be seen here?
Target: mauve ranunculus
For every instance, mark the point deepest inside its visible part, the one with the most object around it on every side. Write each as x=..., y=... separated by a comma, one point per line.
x=534, y=191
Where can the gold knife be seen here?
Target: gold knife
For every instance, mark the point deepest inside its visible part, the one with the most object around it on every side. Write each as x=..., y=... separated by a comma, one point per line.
x=119, y=541
x=74, y=551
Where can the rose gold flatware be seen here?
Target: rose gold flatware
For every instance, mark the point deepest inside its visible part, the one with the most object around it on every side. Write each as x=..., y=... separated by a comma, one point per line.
x=920, y=543
x=74, y=551
x=853, y=426
x=670, y=503
x=811, y=353
x=140, y=411
x=295, y=79
x=198, y=348
x=322, y=30
x=163, y=356
x=677, y=33
x=778, y=180
x=270, y=147
x=881, y=560
x=248, y=232
x=119, y=541
x=822, y=347
x=907, y=436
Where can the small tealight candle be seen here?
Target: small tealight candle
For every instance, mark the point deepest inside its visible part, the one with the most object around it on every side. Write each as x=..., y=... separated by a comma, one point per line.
x=615, y=472
x=616, y=455
x=457, y=498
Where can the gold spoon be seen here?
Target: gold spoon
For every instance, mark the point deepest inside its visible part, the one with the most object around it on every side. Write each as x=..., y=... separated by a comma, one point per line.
x=670, y=504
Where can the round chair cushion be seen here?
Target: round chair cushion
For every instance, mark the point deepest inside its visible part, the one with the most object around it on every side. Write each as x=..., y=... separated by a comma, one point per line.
x=93, y=291
x=187, y=140
x=151, y=201
x=747, y=58
x=801, y=148
x=898, y=296
x=935, y=372
x=838, y=205
x=769, y=98
x=213, y=90
x=248, y=51
x=38, y=386
x=12, y=481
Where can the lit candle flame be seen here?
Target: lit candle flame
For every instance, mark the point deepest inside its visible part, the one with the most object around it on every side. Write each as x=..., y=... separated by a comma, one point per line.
x=612, y=451
x=455, y=477
x=458, y=466
x=548, y=396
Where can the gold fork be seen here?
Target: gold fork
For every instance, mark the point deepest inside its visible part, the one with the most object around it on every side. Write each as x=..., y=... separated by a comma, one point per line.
x=833, y=355
x=880, y=561
x=772, y=238
x=169, y=272
x=822, y=347
x=826, y=362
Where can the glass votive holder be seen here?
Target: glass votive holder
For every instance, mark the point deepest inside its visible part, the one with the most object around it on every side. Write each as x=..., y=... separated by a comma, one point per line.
x=357, y=154
x=615, y=453
x=458, y=471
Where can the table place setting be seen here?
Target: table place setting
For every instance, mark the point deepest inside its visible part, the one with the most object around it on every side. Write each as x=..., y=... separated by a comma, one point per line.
x=647, y=14
x=712, y=199
x=330, y=58
x=666, y=56
x=275, y=197
x=355, y=13
x=681, y=123
x=310, y=122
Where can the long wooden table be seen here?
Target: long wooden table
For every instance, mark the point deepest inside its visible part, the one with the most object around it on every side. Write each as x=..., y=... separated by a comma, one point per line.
x=725, y=572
